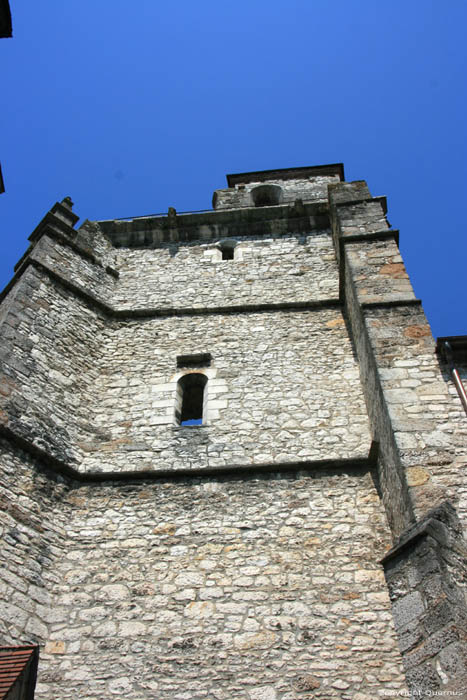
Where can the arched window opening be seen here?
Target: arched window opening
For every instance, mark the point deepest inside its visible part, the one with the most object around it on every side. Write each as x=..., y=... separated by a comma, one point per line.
x=191, y=394
x=266, y=195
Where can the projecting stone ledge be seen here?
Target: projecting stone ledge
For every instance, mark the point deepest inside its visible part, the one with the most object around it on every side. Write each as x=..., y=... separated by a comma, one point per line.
x=429, y=606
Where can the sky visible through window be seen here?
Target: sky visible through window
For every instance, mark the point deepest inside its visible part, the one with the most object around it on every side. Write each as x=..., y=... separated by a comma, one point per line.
x=134, y=110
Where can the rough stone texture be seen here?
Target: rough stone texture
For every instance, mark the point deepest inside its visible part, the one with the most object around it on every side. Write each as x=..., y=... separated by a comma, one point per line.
x=418, y=402
x=362, y=218
x=283, y=388
x=426, y=575
x=33, y=517
x=420, y=446
x=372, y=270
x=215, y=226
x=85, y=274
x=49, y=352
x=265, y=270
x=238, y=558
x=306, y=189
x=456, y=424
x=213, y=587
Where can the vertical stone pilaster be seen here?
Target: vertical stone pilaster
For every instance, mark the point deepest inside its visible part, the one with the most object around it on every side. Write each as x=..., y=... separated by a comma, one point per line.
x=407, y=402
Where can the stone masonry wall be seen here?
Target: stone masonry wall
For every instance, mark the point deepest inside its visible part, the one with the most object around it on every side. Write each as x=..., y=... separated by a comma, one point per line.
x=378, y=273
x=408, y=400
x=456, y=424
x=427, y=575
x=307, y=189
x=420, y=446
x=283, y=387
x=266, y=270
x=258, y=585
x=33, y=516
x=427, y=438
x=180, y=228
x=50, y=345
x=278, y=392
x=83, y=274
x=262, y=587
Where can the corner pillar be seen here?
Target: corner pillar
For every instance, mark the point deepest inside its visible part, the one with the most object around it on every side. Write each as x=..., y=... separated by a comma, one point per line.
x=408, y=404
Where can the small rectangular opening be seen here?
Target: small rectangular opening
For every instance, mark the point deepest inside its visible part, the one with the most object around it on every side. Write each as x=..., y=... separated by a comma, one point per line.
x=199, y=360
x=227, y=253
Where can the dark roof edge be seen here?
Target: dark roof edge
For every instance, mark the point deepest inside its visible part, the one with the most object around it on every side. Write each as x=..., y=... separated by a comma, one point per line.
x=458, y=345
x=286, y=174
x=6, y=30
x=25, y=670
x=454, y=339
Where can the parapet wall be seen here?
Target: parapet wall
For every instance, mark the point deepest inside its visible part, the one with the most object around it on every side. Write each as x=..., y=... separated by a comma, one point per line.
x=288, y=191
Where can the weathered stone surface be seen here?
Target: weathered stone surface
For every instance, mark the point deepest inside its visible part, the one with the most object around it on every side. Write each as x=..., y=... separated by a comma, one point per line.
x=298, y=601
x=238, y=558
x=266, y=403
x=272, y=270
x=411, y=412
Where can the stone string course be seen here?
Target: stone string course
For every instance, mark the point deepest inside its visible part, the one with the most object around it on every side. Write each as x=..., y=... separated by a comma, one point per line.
x=151, y=560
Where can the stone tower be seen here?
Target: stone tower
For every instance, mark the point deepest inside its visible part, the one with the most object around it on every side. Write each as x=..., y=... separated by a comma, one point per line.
x=231, y=458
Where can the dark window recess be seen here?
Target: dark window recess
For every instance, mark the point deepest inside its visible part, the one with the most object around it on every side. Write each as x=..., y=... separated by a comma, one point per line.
x=227, y=253
x=266, y=195
x=228, y=249
x=200, y=360
x=192, y=388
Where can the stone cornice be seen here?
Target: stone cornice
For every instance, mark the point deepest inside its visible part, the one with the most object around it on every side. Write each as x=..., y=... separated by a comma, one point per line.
x=364, y=200
x=152, y=231
x=287, y=174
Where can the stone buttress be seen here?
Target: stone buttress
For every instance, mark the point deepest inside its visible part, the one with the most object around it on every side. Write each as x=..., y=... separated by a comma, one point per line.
x=420, y=448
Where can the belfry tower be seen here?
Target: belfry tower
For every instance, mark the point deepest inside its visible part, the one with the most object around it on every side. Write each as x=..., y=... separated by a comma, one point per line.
x=231, y=456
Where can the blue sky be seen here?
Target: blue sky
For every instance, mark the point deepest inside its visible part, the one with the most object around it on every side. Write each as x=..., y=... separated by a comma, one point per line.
x=132, y=108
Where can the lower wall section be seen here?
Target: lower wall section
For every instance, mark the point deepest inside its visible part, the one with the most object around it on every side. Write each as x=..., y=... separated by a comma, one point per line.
x=263, y=588
x=426, y=576
x=32, y=532
x=282, y=387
